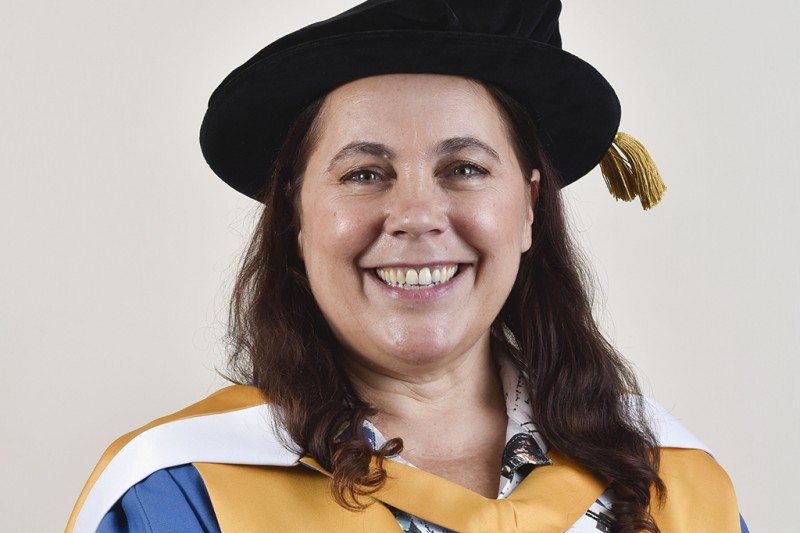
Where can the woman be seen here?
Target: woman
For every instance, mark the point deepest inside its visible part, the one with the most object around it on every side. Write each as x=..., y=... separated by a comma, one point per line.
x=410, y=318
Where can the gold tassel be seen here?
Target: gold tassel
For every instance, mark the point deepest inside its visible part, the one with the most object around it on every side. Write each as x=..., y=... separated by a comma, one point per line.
x=629, y=172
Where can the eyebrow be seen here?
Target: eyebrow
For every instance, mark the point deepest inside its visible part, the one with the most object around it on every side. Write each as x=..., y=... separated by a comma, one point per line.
x=361, y=147
x=457, y=144
x=445, y=147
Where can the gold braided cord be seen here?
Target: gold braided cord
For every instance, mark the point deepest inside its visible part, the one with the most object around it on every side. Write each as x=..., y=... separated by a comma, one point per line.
x=629, y=172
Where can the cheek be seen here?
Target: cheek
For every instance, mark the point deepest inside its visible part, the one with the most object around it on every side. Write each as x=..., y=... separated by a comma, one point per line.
x=333, y=234
x=501, y=225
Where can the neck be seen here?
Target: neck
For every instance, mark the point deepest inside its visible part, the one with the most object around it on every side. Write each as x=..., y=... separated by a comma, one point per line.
x=467, y=388
x=452, y=418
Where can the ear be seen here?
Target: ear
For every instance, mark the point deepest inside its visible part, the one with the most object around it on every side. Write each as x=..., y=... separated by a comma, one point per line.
x=531, y=197
x=300, y=245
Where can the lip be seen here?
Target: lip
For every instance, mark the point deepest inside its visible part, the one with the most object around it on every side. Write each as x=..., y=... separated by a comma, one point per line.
x=431, y=293
x=429, y=264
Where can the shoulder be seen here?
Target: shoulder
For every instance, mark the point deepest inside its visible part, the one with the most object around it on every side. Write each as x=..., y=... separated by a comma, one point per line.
x=694, y=479
x=700, y=495
x=669, y=431
x=171, y=499
x=234, y=425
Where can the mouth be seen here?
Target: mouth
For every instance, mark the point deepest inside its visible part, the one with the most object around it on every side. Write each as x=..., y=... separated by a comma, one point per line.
x=416, y=278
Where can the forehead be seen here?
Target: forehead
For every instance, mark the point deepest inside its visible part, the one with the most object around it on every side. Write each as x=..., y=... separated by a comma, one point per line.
x=419, y=104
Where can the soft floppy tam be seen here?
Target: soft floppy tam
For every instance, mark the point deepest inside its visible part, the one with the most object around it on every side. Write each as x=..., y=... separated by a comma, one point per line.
x=512, y=44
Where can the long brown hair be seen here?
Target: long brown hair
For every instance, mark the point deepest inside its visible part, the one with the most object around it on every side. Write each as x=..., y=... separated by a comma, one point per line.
x=281, y=343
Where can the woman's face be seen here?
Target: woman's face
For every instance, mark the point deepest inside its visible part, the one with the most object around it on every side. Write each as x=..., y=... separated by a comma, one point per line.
x=413, y=216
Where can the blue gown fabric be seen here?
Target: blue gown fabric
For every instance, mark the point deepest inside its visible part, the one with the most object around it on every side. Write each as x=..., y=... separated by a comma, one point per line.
x=172, y=499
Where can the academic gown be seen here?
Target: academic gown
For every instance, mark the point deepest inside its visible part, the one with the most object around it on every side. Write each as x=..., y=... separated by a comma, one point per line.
x=225, y=460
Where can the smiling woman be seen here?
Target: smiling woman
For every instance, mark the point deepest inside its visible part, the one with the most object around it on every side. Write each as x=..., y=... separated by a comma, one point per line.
x=402, y=166
x=411, y=331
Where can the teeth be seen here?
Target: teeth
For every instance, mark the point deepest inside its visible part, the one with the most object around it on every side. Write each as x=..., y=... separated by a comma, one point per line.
x=413, y=279
x=425, y=276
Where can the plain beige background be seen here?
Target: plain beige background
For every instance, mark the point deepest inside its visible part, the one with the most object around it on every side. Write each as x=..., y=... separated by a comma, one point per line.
x=119, y=245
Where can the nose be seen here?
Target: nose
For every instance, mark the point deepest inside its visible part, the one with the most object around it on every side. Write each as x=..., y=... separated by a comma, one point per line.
x=416, y=207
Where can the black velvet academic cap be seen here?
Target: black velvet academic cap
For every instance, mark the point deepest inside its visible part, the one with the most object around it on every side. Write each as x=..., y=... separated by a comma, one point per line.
x=513, y=44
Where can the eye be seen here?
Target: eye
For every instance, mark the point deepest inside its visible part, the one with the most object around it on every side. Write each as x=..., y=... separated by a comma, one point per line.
x=361, y=176
x=468, y=170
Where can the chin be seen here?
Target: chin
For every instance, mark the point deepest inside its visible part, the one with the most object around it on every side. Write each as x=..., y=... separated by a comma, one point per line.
x=422, y=356
x=413, y=344
x=419, y=351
